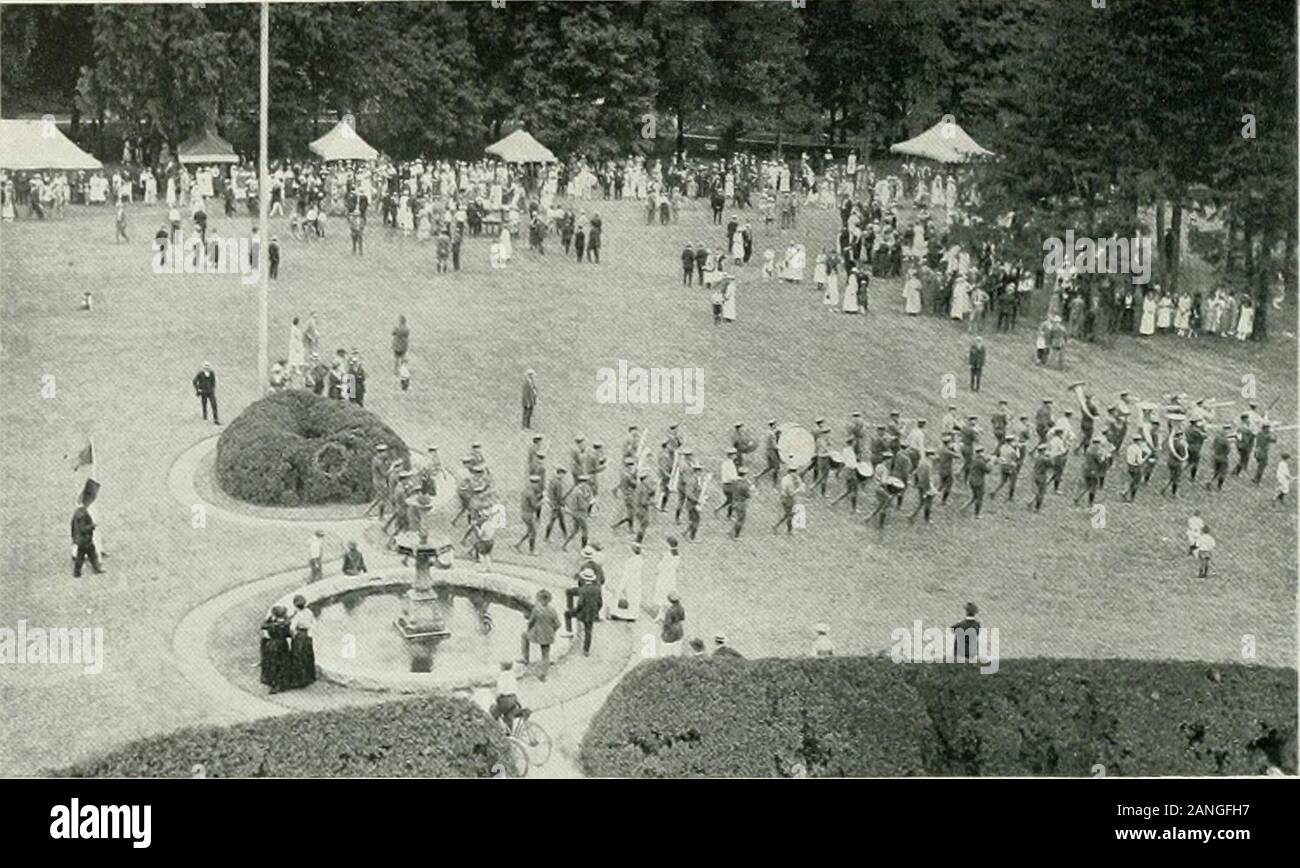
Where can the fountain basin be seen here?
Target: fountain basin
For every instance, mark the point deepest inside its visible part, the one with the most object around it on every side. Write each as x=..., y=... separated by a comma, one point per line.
x=358, y=645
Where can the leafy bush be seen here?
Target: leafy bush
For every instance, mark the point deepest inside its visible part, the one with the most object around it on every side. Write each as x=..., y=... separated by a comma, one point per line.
x=434, y=736
x=867, y=716
x=761, y=718
x=293, y=448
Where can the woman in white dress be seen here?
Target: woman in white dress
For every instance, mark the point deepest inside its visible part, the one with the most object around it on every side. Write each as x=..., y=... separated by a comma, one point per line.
x=405, y=219
x=1183, y=318
x=626, y=587
x=738, y=247
x=912, y=294
x=819, y=270
x=960, y=298
x=831, y=297
x=171, y=191
x=798, y=263
x=850, y=303
x=1148, y=324
x=297, y=352
x=729, y=300
x=1165, y=313
x=1246, y=320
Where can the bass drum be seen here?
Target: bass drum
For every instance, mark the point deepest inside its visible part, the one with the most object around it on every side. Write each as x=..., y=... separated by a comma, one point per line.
x=796, y=446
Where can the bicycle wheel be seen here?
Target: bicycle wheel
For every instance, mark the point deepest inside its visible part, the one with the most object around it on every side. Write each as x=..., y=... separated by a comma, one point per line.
x=517, y=759
x=536, y=742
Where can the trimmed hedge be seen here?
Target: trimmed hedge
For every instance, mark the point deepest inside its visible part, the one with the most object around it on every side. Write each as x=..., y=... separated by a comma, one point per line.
x=872, y=717
x=434, y=736
x=760, y=718
x=294, y=448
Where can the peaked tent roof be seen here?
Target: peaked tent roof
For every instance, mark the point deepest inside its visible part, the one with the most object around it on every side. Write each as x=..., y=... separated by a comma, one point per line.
x=945, y=142
x=520, y=147
x=36, y=144
x=342, y=143
x=206, y=147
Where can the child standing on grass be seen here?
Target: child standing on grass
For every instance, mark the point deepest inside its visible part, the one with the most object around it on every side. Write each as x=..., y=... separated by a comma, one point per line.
x=1205, y=545
x=716, y=299
x=404, y=375
x=1194, y=527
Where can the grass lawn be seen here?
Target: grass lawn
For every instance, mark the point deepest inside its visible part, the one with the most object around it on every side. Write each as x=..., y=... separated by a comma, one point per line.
x=1051, y=583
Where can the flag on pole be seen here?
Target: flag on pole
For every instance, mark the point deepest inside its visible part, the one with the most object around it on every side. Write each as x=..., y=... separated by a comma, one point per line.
x=85, y=456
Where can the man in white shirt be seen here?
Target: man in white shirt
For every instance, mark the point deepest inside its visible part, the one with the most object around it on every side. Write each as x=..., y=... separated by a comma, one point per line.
x=1135, y=457
x=727, y=475
x=507, y=707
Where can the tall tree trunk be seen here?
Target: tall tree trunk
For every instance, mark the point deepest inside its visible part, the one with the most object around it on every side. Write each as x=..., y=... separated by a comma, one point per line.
x=681, y=133
x=1161, y=264
x=1263, y=283
x=1176, y=249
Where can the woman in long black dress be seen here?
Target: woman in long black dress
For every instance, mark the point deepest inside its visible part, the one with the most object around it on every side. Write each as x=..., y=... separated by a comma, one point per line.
x=302, y=652
x=275, y=650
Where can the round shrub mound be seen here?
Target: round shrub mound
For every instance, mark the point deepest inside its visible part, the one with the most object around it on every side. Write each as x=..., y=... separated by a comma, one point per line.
x=434, y=736
x=295, y=448
x=871, y=717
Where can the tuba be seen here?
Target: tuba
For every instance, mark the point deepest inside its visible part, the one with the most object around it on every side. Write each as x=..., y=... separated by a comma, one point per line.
x=1077, y=388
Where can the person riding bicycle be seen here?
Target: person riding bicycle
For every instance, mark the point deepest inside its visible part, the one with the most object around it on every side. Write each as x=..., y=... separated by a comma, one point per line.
x=506, y=707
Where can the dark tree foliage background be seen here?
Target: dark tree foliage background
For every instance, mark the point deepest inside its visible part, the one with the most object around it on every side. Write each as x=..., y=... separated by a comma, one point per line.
x=1096, y=113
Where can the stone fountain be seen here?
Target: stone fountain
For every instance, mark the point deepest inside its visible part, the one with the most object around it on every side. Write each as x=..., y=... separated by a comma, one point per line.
x=424, y=611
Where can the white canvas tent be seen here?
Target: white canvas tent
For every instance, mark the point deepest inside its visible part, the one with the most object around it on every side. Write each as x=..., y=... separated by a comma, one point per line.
x=520, y=147
x=33, y=145
x=206, y=147
x=342, y=143
x=945, y=142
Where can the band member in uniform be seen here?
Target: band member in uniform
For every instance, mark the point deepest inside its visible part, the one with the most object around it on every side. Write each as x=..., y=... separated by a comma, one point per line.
x=1220, y=449
x=1175, y=460
x=626, y=492
x=1263, y=440
x=925, y=490
x=791, y=488
x=530, y=510
x=1008, y=459
x=1043, y=473
x=1135, y=456
x=943, y=465
x=579, y=504
x=1059, y=451
x=695, y=485
x=631, y=443
x=883, y=490
x=852, y=483
x=969, y=434
x=1094, y=469
x=680, y=478
x=727, y=475
x=821, y=455
x=979, y=469
x=1195, y=440
x=596, y=462
x=877, y=446
x=1043, y=420
x=642, y=503
x=998, y=421
x=740, y=501
x=557, y=490
x=664, y=465
x=901, y=469
x=578, y=457
x=1245, y=443
x=857, y=435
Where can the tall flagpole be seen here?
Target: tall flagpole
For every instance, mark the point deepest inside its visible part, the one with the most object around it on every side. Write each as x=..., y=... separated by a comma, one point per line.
x=263, y=197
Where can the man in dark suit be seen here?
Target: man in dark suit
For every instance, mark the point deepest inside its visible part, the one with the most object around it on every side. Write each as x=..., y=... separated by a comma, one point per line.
x=529, y=398
x=586, y=609
x=977, y=356
x=205, y=386
x=966, y=634
x=83, y=537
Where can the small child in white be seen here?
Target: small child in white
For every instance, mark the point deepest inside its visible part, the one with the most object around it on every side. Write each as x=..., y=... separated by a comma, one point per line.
x=1205, y=545
x=769, y=264
x=1284, y=478
x=404, y=375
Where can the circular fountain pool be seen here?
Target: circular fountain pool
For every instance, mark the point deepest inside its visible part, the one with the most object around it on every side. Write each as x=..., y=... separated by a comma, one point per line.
x=358, y=644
